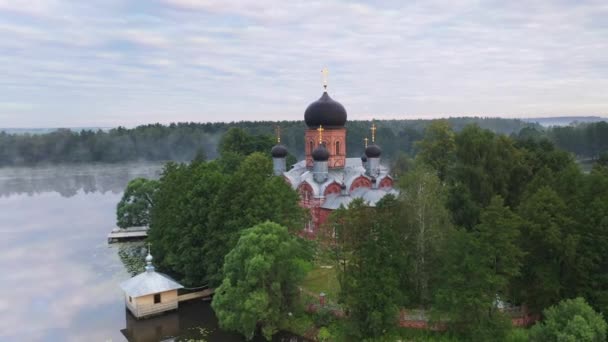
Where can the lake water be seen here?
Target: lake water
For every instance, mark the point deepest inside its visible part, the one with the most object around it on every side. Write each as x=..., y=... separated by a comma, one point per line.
x=60, y=277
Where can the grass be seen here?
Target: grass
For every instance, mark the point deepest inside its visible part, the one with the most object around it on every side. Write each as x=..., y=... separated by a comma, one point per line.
x=322, y=280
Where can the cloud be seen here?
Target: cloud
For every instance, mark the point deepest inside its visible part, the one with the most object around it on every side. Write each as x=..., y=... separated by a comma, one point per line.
x=193, y=60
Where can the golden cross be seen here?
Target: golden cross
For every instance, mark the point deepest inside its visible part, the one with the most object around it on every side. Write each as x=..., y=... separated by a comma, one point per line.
x=320, y=130
x=373, y=132
x=365, y=141
x=325, y=72
x=277, y=131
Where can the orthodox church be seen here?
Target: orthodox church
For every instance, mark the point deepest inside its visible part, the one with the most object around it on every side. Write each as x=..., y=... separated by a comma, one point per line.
x=326, y=179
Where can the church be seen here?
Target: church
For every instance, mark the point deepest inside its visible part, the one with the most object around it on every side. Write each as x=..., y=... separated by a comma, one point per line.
x=326, y=179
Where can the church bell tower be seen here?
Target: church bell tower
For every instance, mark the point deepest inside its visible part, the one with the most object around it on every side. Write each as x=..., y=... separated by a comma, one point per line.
x=327, y=117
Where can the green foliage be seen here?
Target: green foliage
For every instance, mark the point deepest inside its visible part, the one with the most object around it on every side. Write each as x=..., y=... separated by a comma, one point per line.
x=550, y=242
x=570, y=320
x=183, y=141
x=251, y=195
x=133, y=210
x=324, y=335
x=369, y=241
x=179, y=226
x=132, y=257
x=603, y=159
x=322, y=280
x=259, y=286
x=423, y=223
x=437, y=147
x=589, y=139
x=324, y=317
x=237, y=140
x=417, y=335
x=401, y=165
x=297, y=323
x=518, y=335
x=479, y=266
x=199, y=211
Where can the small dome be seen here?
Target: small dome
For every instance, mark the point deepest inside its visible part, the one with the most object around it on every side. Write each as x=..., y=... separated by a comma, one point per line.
x=325, y=112
x=364, y=158
x=373, y=151
x=149, y=258
x=320, y=153
x=279, y=151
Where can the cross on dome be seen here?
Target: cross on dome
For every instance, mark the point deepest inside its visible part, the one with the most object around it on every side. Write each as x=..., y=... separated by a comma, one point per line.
x=277, y=131
x=320, y=130
x=325, y=72
x=373, y=132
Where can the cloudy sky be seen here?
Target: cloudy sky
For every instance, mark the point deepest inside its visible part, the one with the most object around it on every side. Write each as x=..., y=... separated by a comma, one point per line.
x=110, y=62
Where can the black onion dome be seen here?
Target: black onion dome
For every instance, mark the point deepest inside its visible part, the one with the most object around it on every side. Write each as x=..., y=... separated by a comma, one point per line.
x=325, y=112
x=279, y=151
x=364, y=158
x=373, y=151
x=320, y=153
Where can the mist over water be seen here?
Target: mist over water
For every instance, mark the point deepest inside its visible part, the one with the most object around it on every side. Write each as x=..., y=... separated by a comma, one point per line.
x=59, y=276
x=69, y=180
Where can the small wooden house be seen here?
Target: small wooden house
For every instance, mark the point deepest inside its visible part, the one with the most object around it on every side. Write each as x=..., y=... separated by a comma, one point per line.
x=150, y=292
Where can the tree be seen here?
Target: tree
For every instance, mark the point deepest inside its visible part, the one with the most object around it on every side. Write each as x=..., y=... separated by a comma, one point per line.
x=133, y=210
x=593, y=229
x=200, y=209
x=425, y=223
x=179, y=226
x=550, y=241
x=369, y=240
x=603, y=159
x=570, y=320
x=437, y=147
x=237, y=140
x=250, y=196
x=401, y=165
x=260, y=282
x=478, y=268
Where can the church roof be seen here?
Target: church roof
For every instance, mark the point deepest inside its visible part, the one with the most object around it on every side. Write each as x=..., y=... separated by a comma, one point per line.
x=369, y=196
x=347, y=175
x=148, y=283
x=325, y=112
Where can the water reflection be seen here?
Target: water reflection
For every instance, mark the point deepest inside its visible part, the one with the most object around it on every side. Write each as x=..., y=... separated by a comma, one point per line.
x=60, y=277
x=153, y=329
x=193, y=321
x=69, y=180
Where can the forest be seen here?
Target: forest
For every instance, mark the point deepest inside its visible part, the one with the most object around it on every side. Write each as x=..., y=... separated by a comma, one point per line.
x=484, y=222
x=183, y=141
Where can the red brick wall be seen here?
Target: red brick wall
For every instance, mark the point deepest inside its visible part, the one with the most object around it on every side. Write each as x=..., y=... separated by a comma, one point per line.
x=332, y=136
x=386, y=183
x=360, y=182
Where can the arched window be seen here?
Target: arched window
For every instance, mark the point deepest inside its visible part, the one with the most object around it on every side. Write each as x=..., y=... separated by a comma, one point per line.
x=311, y=147
x=337, y=148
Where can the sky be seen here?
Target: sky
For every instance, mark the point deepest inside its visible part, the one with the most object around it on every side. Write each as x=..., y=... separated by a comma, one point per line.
x=104, y=63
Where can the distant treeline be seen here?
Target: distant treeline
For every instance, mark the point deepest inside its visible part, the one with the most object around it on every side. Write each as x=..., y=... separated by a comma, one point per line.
x=183, y=141
x=588, y=140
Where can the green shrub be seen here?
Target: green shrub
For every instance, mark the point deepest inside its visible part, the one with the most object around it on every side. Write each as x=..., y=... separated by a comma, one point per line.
x=570, y=320
x=518, y=335
x=324, y=317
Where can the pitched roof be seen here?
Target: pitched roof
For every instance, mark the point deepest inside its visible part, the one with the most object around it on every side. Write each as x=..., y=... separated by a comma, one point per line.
x=347, y=175
x=148, y=283
x=369, y=196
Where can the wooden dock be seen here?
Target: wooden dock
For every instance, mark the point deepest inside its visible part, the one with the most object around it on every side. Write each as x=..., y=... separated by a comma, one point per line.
x=194, y=295
x=131, y=233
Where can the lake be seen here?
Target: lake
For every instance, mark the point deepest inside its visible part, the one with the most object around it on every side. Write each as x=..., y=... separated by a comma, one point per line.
x=60, y=277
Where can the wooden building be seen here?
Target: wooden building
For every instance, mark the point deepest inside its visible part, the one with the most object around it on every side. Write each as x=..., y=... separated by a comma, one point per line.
x=150, y=292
